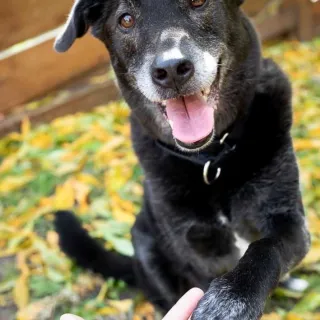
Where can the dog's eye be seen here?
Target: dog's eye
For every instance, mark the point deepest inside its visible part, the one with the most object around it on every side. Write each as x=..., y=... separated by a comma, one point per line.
x=126, y=21
x=197, y=3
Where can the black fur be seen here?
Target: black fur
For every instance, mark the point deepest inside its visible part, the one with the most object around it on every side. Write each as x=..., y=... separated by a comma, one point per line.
x=76, y=243
x=187, y=231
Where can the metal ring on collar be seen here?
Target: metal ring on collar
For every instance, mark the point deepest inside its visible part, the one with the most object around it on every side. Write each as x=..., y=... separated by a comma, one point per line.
x=224, y=138
x=206, y=173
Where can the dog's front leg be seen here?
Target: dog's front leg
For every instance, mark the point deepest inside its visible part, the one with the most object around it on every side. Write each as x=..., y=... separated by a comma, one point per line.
x=241, y=294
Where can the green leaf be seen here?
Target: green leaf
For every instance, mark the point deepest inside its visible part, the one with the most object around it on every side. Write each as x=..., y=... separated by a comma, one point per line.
x=122, y=245
x=308, y=304
x=7, y=285
x=42, y=287
x=55, y=275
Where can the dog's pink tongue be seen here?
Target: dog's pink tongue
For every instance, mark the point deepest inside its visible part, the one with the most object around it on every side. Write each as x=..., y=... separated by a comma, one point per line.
x=191, y=118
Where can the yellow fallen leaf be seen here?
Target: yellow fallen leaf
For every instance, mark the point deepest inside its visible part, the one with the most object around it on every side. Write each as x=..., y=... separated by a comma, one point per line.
x=116, y=177
x=107, y=152
x=123, y=306
x=8, y=163
x=71, y=162
x=314, y=222
x=127, y=206
x=107, y=311
x=21, y=288
x=88, y=179
x=122, y=216
x=64, y=196
x=122, y=210
x=304, y=144
x=25, y=127
x=103, y=292
x=35, y=259
x=292, y=316
x=314, y=254
x=52, y=239
x=100, y=133
x=29, y=216
x=2, y=243
x=69, y=156
x=12, y=183
x=137, y=189
x=67, y=168
x=65, y=125
x=113, y=143
x=271, y=316
x=315, y=133
x=42, y=141
x=120, y=112
x=124, y=130
x=144, y=310
x=14, y=136
x=46, y=202
x=84, y=139
x=81, y=194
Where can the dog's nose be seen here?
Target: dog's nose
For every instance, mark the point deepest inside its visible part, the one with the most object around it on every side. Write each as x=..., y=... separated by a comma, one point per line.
x=172, y=73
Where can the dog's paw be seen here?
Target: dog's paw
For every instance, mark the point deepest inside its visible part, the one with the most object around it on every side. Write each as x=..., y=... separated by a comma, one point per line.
x=223, y=302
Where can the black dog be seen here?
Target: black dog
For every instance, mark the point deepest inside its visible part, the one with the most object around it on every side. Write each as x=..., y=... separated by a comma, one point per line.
x=211, y=123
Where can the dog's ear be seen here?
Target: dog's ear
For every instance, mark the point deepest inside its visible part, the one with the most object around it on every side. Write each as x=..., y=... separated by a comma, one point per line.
x=75, y=27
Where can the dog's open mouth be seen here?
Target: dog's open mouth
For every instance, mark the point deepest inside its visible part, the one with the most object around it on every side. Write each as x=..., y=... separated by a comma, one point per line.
x=191, y=119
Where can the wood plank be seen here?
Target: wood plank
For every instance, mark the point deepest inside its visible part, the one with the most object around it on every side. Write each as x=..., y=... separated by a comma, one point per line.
x=81, y=95
x=316, y=8
x=316, y=19
x=32, y=73
x=305, y=26
x=253, y=7
x=277, y=25
x=24, y=19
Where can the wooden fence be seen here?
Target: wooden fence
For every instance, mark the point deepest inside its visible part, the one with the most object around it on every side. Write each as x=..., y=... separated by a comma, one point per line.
x=30, y=69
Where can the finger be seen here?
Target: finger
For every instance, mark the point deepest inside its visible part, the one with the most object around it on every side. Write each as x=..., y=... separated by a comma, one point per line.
x=185, y=306
x=70, y=317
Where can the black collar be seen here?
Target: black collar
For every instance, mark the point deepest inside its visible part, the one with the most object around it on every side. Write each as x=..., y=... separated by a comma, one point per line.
x=213, y=160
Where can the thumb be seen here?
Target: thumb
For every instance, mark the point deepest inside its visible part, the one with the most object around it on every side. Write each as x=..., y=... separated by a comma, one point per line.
x=70, y=317
x=185, y=306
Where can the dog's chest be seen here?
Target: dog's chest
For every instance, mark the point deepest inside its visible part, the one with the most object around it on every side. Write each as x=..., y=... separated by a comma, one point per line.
x=210, y=249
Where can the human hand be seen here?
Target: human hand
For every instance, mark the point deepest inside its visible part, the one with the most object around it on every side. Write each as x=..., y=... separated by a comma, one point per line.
x=182, y=310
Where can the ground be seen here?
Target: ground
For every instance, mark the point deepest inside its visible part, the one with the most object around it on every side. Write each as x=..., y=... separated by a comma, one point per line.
x=84, y=162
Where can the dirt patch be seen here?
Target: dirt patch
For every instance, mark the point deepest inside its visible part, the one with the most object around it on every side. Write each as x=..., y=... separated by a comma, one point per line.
x=7, y=270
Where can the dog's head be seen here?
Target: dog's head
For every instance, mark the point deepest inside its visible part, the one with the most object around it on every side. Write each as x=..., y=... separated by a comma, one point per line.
x=182, y=60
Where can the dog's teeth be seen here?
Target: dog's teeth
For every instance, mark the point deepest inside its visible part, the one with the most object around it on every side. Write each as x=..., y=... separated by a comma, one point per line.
x=170, y=123
x=207, y=92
